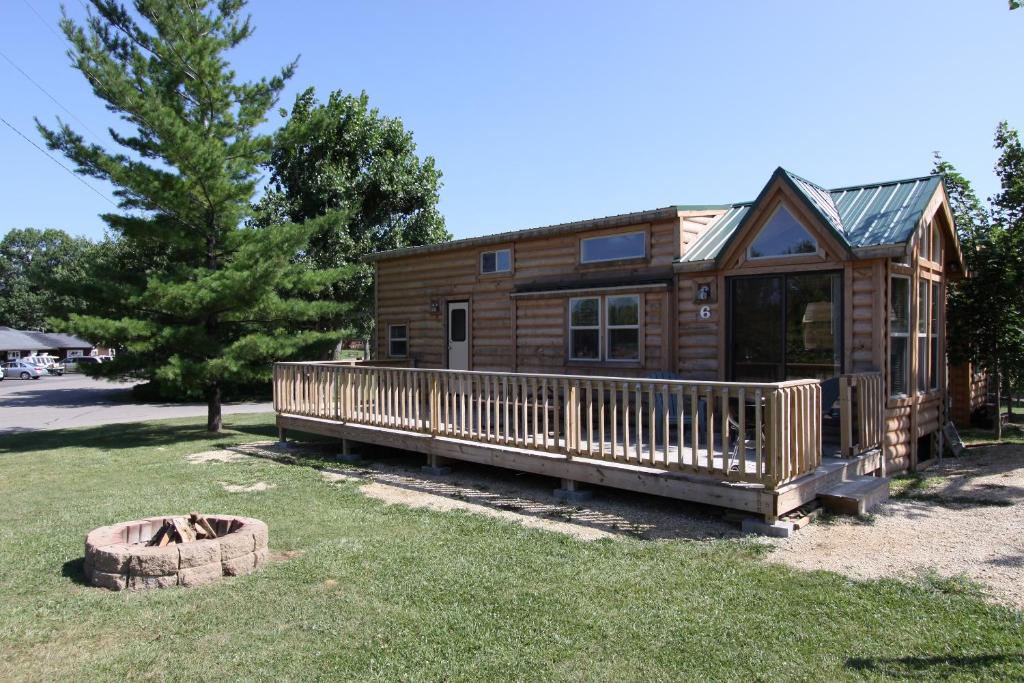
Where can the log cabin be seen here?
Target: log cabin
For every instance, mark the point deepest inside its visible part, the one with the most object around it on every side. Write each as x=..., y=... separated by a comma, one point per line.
x=758, y=355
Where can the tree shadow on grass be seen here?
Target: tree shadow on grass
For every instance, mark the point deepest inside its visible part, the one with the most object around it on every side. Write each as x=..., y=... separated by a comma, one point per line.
x=127, y=436
x=75, y=571
x=937, y=667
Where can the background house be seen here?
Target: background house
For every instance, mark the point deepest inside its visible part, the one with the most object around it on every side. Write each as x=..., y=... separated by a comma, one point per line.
x=20, y=343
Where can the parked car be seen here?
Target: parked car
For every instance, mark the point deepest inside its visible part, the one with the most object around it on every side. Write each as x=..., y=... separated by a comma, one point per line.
x=47, y=362
x=75, y=362
x=23, y=369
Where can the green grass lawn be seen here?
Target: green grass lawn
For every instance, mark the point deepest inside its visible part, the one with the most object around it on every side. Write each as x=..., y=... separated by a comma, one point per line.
x=375, y=592
x=1012, y=434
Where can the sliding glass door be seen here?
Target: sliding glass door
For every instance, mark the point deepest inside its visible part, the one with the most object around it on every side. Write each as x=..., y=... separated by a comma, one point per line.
x=786, y=326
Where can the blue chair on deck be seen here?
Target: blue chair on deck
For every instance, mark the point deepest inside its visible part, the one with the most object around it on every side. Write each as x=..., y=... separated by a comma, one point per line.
x=829, y=396
x=673, y=408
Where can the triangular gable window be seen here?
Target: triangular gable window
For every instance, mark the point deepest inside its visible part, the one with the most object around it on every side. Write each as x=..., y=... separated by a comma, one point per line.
x=782, y=235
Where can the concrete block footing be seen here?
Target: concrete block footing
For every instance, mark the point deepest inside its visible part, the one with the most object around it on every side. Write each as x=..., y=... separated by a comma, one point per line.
x=577, y=496
x=756, y=525
x=568, y=493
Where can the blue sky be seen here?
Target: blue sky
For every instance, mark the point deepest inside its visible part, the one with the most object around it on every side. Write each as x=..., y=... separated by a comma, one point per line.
x=544, y=112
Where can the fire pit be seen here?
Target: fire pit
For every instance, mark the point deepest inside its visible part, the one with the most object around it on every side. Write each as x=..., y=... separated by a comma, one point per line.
x=157, y=552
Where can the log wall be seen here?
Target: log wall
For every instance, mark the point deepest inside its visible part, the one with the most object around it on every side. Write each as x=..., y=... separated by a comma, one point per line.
x=408, y=287
x=967, y=392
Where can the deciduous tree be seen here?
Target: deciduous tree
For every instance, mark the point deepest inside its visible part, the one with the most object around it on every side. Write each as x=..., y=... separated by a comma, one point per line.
x=357, y=171
x=33, y=264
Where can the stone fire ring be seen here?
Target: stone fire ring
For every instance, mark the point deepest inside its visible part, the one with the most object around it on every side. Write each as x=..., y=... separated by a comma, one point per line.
x=116, y=557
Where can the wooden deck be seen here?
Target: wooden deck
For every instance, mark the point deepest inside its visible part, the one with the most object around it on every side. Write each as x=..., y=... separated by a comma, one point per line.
x=752, y=447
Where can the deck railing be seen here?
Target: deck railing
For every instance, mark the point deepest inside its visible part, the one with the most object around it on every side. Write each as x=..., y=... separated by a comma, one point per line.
x=861, y=404
x=767, y=433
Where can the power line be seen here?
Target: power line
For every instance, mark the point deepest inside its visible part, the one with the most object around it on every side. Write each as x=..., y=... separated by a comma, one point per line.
x=56, y=161
x=45, y=23
x=46, y=92
x=98, y=83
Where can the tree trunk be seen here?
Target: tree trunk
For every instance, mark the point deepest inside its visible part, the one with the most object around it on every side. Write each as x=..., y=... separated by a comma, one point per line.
x=999, y=407
x=213, y=417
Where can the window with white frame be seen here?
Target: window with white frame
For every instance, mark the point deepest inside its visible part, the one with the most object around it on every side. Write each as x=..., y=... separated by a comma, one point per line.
x=899, y=333
x=627, y=245
x=933, y=338
x=622, y=327
x=497, y=261
x=398, y=341
x=585, y=328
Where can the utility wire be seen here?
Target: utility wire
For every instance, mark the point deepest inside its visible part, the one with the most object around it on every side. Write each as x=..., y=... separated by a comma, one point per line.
x=45, y=22
x=97, y=82
x=57, y=161
x=46, y=92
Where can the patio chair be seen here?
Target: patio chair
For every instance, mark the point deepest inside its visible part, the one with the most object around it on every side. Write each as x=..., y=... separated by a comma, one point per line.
x=673, y=408
x=829, y=396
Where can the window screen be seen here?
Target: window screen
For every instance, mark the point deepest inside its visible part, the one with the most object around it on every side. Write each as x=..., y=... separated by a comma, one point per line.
x=499, y=261
x=899, y=332
x=585, y=329
x=398, y=341
x=623, y=327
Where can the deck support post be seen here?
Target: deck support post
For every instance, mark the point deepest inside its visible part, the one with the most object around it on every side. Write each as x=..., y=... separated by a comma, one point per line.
x=436, y=465
x=570, y=493
x=347, y=453
x=281, y=439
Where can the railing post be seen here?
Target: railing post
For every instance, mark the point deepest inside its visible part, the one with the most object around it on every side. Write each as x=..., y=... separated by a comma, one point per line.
x=776, y=437
x=276, y=375
x=435, y=404
x=572, y=418
x=344, y=406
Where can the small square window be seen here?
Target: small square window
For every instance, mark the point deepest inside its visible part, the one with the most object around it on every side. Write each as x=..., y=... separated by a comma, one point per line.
x=398, y=341
x=498, y=261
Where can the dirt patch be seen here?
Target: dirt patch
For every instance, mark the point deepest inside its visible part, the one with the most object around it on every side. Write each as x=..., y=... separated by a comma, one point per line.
x=961, y=518
x=333, y=476
x=251, y=488
x=222, y=455
x=419, y=499
x=269, y=450
x=527, y=500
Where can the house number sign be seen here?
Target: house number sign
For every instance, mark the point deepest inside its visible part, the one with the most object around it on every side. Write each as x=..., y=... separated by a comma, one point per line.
x=705, y=312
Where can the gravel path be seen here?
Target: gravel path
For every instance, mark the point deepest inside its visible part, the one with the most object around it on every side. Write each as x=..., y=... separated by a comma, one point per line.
x=963, y=517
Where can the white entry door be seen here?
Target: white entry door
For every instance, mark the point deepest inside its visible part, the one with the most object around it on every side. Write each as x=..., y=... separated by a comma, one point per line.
x=458, y=335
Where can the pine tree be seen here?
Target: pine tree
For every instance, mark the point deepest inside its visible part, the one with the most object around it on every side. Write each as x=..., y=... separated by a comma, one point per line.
x=202, y=301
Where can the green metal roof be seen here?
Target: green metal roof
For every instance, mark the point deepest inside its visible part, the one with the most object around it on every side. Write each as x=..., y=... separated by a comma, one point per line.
x=859, y=216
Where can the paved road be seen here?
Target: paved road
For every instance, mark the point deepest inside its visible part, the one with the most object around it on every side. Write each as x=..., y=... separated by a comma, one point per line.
x=78, y=401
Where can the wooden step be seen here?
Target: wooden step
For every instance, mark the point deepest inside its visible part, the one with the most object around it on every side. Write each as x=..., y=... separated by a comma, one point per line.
x=856, y=496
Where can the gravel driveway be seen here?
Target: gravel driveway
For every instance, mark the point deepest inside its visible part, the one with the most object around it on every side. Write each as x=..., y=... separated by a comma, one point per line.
x=77, y=401
x=961, y=518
